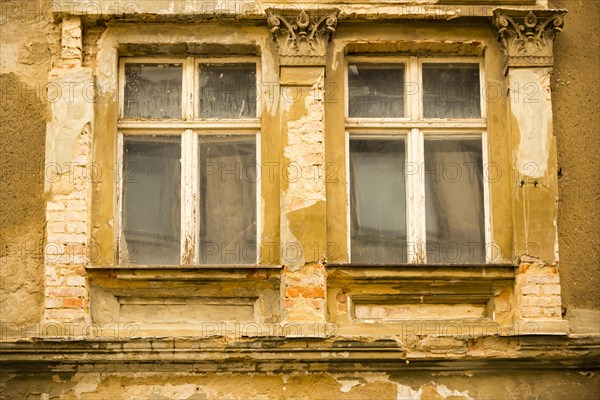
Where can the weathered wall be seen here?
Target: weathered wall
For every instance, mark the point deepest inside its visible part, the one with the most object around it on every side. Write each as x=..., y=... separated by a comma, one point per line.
x=576, y=90
x=28, y=39
x=521, y=385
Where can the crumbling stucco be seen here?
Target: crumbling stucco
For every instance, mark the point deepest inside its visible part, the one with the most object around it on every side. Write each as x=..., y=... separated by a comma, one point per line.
x=25, y=59
x=406, y=386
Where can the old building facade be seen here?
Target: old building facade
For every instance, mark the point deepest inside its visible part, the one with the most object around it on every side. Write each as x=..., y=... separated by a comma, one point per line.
x=256, y=200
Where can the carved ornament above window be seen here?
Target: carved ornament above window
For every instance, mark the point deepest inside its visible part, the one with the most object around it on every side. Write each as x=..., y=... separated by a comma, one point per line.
x=527, y=37
x=302, y=39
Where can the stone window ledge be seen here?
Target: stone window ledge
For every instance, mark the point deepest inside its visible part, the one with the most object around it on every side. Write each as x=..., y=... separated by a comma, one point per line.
x=296, y=355
x=182, y=267
x=360, y=271
x=173, y=301
x=442, y=299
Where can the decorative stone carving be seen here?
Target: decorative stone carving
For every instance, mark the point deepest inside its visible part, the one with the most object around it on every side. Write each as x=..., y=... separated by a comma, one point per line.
x=527, y=37
x=302, y=39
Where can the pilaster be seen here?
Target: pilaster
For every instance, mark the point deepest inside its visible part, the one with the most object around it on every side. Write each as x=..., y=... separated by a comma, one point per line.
x=302, y=41
x=527, y=39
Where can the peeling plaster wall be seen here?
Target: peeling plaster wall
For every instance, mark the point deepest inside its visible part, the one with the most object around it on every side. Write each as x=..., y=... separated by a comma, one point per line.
x=520, y=385
x=28, y=40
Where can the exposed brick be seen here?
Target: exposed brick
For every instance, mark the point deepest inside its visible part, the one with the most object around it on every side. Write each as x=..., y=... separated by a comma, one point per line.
x=63, y=314
x=65, y=259
x=552, y=312
x=551, y=289
x=289, y=303
x=530, y=289
x=76, y=227
x=540, y=301
x=54, y=302
x=550, y=278
x=65, y=291
x=55, y=206
x=79, y=270
x=71, y=195
x=305, y=291
x=319, y=304
x=76, y=205
x=305, y=280
x=57, y=227
x=54, y=280
x=73, y=302
x=75, y=249
x=67, y=238
x=76, y=281
x=66, y=216
x=531, y=312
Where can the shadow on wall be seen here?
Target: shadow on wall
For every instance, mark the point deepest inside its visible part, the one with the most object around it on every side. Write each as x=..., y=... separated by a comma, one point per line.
x=22, y=205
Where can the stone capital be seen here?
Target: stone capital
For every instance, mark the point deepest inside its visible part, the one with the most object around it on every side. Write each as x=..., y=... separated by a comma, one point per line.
x=527, y=37
x=302, y=38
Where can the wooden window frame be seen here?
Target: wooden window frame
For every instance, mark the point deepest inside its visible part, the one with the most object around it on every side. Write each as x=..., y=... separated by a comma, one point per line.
x=414, y=128
x=189, y=127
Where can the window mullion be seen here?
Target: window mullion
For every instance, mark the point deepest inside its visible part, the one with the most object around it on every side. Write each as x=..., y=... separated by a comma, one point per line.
x=188, y=89
x=189, y=197
x=416, y=197
x=415, y=100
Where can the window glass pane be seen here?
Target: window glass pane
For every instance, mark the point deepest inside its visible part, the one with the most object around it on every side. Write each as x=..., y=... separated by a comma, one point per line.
x=152, y=91
x=376, y=90
x=227, y=91
x=451, y=90
x=151, y=200
x=454, y=201
x=228, y=200
x=377, y=201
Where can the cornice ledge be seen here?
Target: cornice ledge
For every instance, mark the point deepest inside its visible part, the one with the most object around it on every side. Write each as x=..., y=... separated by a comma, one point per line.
x=302, y=38
x=292, y=355
x=527, y=36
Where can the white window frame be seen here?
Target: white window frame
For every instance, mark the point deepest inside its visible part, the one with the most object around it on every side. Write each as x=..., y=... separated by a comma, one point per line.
x=414, y=128
x=189, y=127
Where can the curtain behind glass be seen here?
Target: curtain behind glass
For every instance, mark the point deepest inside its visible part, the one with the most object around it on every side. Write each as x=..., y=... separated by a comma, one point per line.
x=151, y=200
x=153, y=90
x=454, y=201
x=451, y=90
x=376, y=90
x=378, y=201
x=228, y=200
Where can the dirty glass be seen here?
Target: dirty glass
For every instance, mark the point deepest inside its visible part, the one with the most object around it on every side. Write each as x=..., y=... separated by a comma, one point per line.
x=151, y=199
x=451, y=90
x=377, y=201
x=454, y=201
x=227, y=91
x=376, y=90
x=152, y=91
x=228, y=177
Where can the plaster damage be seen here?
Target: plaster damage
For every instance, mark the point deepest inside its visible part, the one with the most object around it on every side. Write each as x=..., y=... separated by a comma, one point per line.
x=303, y=193
x=532, y=108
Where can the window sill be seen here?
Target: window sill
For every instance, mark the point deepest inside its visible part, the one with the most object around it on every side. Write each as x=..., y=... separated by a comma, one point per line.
x=371, y=271
x=382, y=298
x=181, y=267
